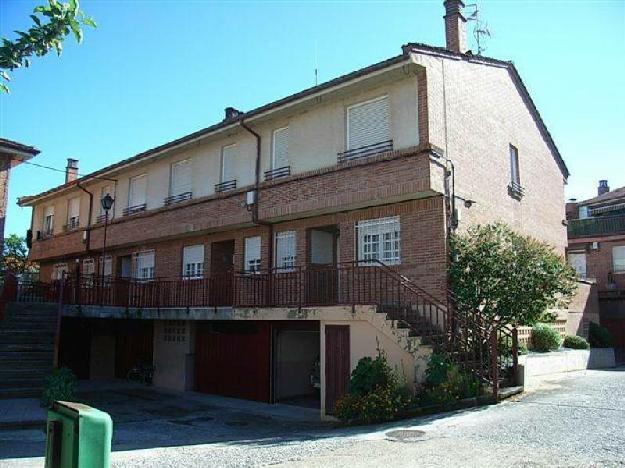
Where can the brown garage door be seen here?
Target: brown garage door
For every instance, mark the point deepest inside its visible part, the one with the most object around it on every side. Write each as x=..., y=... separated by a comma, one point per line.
x=233, y=359
x=134, y=344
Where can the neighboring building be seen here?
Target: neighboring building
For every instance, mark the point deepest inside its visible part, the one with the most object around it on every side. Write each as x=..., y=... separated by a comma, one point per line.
x=596, y=231
x=233, y=248
x=12, y=153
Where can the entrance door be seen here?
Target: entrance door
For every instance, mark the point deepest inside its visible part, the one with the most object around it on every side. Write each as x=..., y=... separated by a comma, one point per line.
x=337, y=364
x=322, y=276
x=221, y=267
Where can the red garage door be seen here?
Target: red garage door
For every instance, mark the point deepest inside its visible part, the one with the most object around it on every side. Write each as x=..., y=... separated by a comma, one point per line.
x=233, y=359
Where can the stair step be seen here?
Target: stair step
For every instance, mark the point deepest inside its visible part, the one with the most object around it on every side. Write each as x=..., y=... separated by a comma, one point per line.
x=21, y=392
x=25, y=347
x=23, y=382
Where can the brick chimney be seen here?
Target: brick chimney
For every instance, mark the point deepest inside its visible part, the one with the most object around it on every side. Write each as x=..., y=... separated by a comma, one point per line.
x=455, y=30
x=603, y=187
x=71, y=171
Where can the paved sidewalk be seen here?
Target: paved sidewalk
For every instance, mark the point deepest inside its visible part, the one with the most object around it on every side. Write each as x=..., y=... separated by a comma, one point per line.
x=21, y=412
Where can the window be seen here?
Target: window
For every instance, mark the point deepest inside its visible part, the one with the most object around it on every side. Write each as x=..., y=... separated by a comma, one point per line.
x=88, y=266
x=280, y=148
x=379, y=239
x=252, y=254
x=59, y=271
x=106, y=266
x=514, y=189
x=193, y=261
x=144, y=265
x=285, y=251
x=577, y=260
x=73, y=213
x=48, y=221
x=618, y=259
x=181, y=178
x=368, y=123
x=106, y=190
x=583, y=212
x=137, y=191
x=228, y=154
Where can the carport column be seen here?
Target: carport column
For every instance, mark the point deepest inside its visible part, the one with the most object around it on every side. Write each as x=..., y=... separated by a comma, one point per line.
x=322, y=369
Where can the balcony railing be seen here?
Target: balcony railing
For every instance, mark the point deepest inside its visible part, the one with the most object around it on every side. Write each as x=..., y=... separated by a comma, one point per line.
x=178, y=198
x=101, y=218
x=73, y=223
x=599, y=226
x=225, y=186
x=365, y=151
x=278, y=172
x=516, y=190
x=134, y=209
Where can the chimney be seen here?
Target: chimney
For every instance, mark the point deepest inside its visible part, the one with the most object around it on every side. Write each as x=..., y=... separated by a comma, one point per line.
x=603, y=187
x=71, y=171
x=455, y=32
x=232, y=113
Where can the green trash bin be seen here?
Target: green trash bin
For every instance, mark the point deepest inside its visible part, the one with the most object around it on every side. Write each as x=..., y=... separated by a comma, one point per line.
x=78, y=436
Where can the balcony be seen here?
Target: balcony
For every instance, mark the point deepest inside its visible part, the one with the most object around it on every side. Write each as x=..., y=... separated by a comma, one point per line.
x=172, y=199
x=134, y=209
x=599, y=226
x=73, y=223
x=225, y=186
x=278, y=173
x=365, y=151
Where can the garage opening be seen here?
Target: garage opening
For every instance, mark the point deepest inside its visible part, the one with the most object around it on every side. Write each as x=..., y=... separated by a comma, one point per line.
x=296, y=363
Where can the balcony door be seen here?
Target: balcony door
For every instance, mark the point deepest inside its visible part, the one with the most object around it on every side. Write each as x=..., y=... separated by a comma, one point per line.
x=322, y=274
x=221, y=267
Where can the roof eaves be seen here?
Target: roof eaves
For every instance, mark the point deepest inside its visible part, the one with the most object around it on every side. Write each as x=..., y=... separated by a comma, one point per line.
x=20, y=147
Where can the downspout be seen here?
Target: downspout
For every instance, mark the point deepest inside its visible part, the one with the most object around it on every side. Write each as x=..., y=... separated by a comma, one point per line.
x=255, y=207
x=88, y=230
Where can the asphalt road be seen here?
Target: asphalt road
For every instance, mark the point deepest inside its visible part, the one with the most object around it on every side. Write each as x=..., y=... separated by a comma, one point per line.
x=576, y=420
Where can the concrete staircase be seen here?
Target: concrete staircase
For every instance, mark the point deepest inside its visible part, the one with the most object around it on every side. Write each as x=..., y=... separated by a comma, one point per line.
x=26, y=348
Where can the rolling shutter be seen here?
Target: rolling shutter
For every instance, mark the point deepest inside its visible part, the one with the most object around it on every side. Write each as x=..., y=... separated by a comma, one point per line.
x=138, y=186
x=193, y=261
x=228, y=153
x=181, y=177
x=280, y=148
x=144, y=265
x=252, y=254
x=368, y=123
x=285, y=251
x=73, y=210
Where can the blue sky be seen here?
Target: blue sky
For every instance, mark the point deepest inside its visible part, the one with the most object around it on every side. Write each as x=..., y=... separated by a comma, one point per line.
x=156, y=70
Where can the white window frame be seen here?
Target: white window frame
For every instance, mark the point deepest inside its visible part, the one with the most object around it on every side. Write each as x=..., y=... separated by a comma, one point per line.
x=59, y=271
x=105, y=266
x=48, y=220
x=581, y=272
x=140, y=272
x=285, y=261
x=379, y=239
x=618, y=259
x=273, y=148
x=252, y=255
x=186, y=186
x=131, y=194
x=515, y=172
x=224, y=152
x=583, y=213
x=193, y=261
x=350, y=108
x=73, y=221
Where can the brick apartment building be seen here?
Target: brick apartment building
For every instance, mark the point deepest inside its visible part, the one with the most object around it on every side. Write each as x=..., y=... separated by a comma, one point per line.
x=12, y=153
x=237, y=256
x=596, y=231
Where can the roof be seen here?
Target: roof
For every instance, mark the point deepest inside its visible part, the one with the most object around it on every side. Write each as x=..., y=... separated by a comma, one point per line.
x=406, y=50
x=15, y=146
x=612, y=195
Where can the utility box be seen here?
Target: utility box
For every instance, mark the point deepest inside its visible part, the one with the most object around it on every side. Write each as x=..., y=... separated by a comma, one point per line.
x=78, y=436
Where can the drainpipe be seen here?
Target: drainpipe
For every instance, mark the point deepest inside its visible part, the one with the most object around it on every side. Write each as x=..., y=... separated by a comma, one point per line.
x=88, y=230
x=255, y=208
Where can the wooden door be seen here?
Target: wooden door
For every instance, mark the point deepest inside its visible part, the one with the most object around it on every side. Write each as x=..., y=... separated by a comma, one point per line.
x=321, y=274
x=221, y=267
x=337, y=364
x=134, y=344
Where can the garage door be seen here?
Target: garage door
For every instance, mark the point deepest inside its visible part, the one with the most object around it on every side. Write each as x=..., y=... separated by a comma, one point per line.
x=233, y=359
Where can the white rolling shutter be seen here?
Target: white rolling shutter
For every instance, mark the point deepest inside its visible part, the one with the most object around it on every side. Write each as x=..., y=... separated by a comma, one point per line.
x=368, y=123
x=578, y=262
x=73, y=213
x=181, y=177
x=280, y=157
x=380, y=239
x=88, y=266
x=285, y=251
x=193, y=261
x=106, y=266
x=252, y=254
x=144, y=265
x=618, y=259
x=228, y=154
x=137, y=192
x=48, y=220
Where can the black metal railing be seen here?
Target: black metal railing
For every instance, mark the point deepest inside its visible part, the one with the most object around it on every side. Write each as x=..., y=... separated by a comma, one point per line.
x=225, y=186
x=601, y=225
x=101, y=218
x=516, y=190
x=134, y=209
x=278, y=173
x=170, y=200
x=73, y=223
x=365, y=151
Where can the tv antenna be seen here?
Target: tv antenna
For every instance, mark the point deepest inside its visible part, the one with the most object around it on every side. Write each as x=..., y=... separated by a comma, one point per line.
x=480, y=28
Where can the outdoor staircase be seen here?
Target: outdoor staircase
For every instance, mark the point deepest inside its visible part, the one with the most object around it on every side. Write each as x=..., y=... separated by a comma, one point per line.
x=26, y=348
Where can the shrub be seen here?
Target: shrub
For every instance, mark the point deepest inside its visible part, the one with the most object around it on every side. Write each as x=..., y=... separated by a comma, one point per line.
x=445, y=382
x=598, y=336
x=575, y=342
x=375, y=395
x=545, y=338
x=59, y=385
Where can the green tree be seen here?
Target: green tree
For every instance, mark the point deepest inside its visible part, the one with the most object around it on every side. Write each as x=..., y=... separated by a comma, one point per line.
x=15, y=256
x=506, y=275
x=51, y=24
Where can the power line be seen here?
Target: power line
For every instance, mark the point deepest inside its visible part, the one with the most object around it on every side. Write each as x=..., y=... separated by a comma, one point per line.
x=64, y=171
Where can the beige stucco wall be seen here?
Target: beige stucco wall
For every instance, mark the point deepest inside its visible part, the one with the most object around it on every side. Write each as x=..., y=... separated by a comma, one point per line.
x=316, y=135
x=172, y=361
